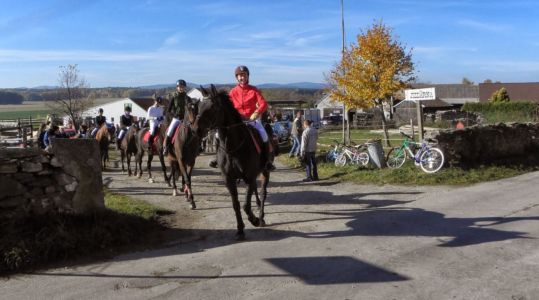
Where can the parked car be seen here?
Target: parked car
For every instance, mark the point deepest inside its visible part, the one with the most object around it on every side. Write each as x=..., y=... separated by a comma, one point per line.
x=282, y=133
x=331, y=120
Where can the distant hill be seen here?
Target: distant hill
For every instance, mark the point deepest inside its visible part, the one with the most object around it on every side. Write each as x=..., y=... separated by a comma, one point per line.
x=294, y=85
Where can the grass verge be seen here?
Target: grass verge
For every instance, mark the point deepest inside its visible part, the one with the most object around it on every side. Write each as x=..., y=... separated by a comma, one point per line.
x=32, y=241
x=409, y=174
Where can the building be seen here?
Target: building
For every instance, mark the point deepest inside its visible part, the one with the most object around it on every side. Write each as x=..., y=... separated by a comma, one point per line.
x=113, y=110
x=523, y=91
x=329, y=107
x=454, y=94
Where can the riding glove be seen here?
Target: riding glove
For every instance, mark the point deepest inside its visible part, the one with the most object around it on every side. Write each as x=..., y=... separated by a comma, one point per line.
x=254, y=116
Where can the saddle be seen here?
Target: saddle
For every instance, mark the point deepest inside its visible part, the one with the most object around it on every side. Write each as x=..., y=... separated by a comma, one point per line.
x=257, y=140
x=146, y=138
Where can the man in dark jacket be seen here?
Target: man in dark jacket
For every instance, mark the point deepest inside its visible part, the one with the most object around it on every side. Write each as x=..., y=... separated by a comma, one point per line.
x=100, y=119
x=296, y=135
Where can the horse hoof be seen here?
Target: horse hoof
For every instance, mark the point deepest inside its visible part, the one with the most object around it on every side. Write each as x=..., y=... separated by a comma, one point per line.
x=255, y=221
x=240, y=236
x=262, y=223
x=193, y=206
x=150, y=180
x=174, y=193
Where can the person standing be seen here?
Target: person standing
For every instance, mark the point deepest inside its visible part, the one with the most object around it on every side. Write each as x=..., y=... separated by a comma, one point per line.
x=309, y=138
x=296, y=132
x=176, y=108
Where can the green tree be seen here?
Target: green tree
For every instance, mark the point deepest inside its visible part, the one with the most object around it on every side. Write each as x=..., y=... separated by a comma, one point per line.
x=500, y=95
x=467, y=81
x=372, y=70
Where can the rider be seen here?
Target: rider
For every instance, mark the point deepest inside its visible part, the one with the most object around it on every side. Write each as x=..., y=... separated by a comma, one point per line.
x=99, y=121
x=126, y=120
x=155, y=115
x=250, y=103
x=177, y=108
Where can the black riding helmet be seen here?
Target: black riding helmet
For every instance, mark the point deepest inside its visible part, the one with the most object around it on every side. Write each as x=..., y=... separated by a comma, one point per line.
x=100, y=110
x=181, y=82
x=159, y=100
x=128, y=108
x=240, y=70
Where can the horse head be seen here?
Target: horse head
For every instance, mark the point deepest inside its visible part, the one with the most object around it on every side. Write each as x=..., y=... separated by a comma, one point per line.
x=210, y=111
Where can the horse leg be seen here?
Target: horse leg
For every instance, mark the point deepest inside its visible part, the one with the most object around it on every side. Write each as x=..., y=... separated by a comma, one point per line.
x=190, y=195
x=149, y=166
x=173, y=171
x=233, y=190
x=122, y=158
x=247, y=206
x=138, y=163
x=264, y=192
x=164, y=167
x=128, y=160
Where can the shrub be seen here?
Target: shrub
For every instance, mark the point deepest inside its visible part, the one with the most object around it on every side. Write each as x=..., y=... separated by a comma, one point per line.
x=504, y=111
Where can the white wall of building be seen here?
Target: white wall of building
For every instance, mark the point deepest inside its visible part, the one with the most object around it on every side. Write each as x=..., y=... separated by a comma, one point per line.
x=195, y=94
x=115, y=110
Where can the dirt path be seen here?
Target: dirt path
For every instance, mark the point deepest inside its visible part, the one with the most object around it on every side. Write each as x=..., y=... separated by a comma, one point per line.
x=324, y=240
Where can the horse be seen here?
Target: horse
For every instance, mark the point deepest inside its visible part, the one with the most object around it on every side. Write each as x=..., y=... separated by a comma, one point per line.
x=182, y=159
x=128, y=147
x=103, y=137
x=143, y=146
x=237, y=154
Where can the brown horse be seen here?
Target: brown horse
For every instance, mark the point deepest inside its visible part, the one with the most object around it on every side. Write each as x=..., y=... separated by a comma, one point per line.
x=237, y=154
x=128, y=147
x=186, y=147
x=144, y=147
x=103, y=137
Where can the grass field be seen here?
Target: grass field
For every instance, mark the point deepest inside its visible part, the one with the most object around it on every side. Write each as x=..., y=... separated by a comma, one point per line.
x=34, y=109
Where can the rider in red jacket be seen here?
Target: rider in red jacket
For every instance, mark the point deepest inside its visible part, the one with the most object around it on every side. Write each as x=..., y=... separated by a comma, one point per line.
x=250, y=103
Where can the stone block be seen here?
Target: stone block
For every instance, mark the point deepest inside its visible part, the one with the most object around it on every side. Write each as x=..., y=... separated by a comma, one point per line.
x=64, y=179
x=31, y=167
x=50, y=189
x=10, y=187
x=12, y=202
x=55, y=162
x=41, y=181
x=71, y=187
x=8, y=168
x=24, y=178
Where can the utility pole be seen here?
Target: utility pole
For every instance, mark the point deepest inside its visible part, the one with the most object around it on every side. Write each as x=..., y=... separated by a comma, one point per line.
x=345, y=136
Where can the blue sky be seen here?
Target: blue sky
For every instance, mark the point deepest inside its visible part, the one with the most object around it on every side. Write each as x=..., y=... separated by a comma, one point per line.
x=134, y=43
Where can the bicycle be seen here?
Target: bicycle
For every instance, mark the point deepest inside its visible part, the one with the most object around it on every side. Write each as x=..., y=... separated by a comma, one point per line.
x=334, y=152
x=353, y=154
x=429, y=158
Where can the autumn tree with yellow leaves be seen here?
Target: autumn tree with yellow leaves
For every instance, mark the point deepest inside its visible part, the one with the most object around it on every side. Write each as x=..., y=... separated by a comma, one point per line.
x=372, y=70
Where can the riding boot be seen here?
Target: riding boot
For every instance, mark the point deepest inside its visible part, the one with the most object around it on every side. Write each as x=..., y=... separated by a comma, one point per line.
x=166, y=146
x=150, y=143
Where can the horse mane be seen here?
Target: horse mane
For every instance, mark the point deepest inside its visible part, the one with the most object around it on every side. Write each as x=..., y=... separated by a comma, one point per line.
x=226, y=104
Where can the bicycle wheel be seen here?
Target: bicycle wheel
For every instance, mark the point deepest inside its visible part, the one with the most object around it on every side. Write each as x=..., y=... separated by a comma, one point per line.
x=363, y=158
x=330, y=156
x=396, y=158
x=432, y=160
x=341, y=160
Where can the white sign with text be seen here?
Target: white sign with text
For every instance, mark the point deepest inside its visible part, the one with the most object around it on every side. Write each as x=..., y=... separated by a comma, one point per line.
x=420, y=94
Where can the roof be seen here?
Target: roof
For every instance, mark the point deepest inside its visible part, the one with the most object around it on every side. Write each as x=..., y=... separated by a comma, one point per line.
x=453, y=93
x=144, y=103
x=517, y=91
x=428, y=103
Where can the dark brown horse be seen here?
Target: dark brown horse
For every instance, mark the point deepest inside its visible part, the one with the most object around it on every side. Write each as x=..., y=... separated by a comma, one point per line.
x=144, y=147
x=237, y=154
x=186, y=147
x=103, y=137
x=128, y=147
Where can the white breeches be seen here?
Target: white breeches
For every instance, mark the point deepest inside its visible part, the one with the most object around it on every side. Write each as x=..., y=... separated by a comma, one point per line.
x=175, y=123
x=154, y=125
x=258, y=126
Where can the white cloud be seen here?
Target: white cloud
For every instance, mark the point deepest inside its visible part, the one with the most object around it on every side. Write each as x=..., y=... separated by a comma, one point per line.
x=483, y=26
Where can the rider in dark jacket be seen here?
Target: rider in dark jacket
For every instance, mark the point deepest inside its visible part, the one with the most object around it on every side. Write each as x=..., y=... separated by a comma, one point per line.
x=126, y=120
x=176, y=108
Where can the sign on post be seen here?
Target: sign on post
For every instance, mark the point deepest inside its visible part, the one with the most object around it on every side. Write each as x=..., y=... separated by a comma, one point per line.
x=418, y=95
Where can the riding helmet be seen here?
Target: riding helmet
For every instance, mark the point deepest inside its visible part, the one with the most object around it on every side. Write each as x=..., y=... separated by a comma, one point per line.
x=128, y=108
x=159, y=99
x=100, y=110
x=240, y=70
x=181, y=82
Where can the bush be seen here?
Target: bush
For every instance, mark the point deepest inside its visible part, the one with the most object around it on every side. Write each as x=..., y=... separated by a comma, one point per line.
x=504, y=111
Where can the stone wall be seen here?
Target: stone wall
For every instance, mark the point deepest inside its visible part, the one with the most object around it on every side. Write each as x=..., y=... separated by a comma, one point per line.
x=66, y=180
x=478, y=145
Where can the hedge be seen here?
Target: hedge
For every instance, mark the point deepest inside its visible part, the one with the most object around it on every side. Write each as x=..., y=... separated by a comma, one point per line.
x=521, y=111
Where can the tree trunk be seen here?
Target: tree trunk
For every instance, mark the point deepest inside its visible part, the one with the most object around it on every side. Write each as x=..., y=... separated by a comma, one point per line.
x=384, y=126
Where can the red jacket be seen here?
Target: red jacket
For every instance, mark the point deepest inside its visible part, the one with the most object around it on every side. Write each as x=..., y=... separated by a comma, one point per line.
x=247, y=100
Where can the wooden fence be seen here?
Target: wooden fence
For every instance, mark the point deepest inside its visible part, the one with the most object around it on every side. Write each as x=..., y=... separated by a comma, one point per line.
x=18, y=132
